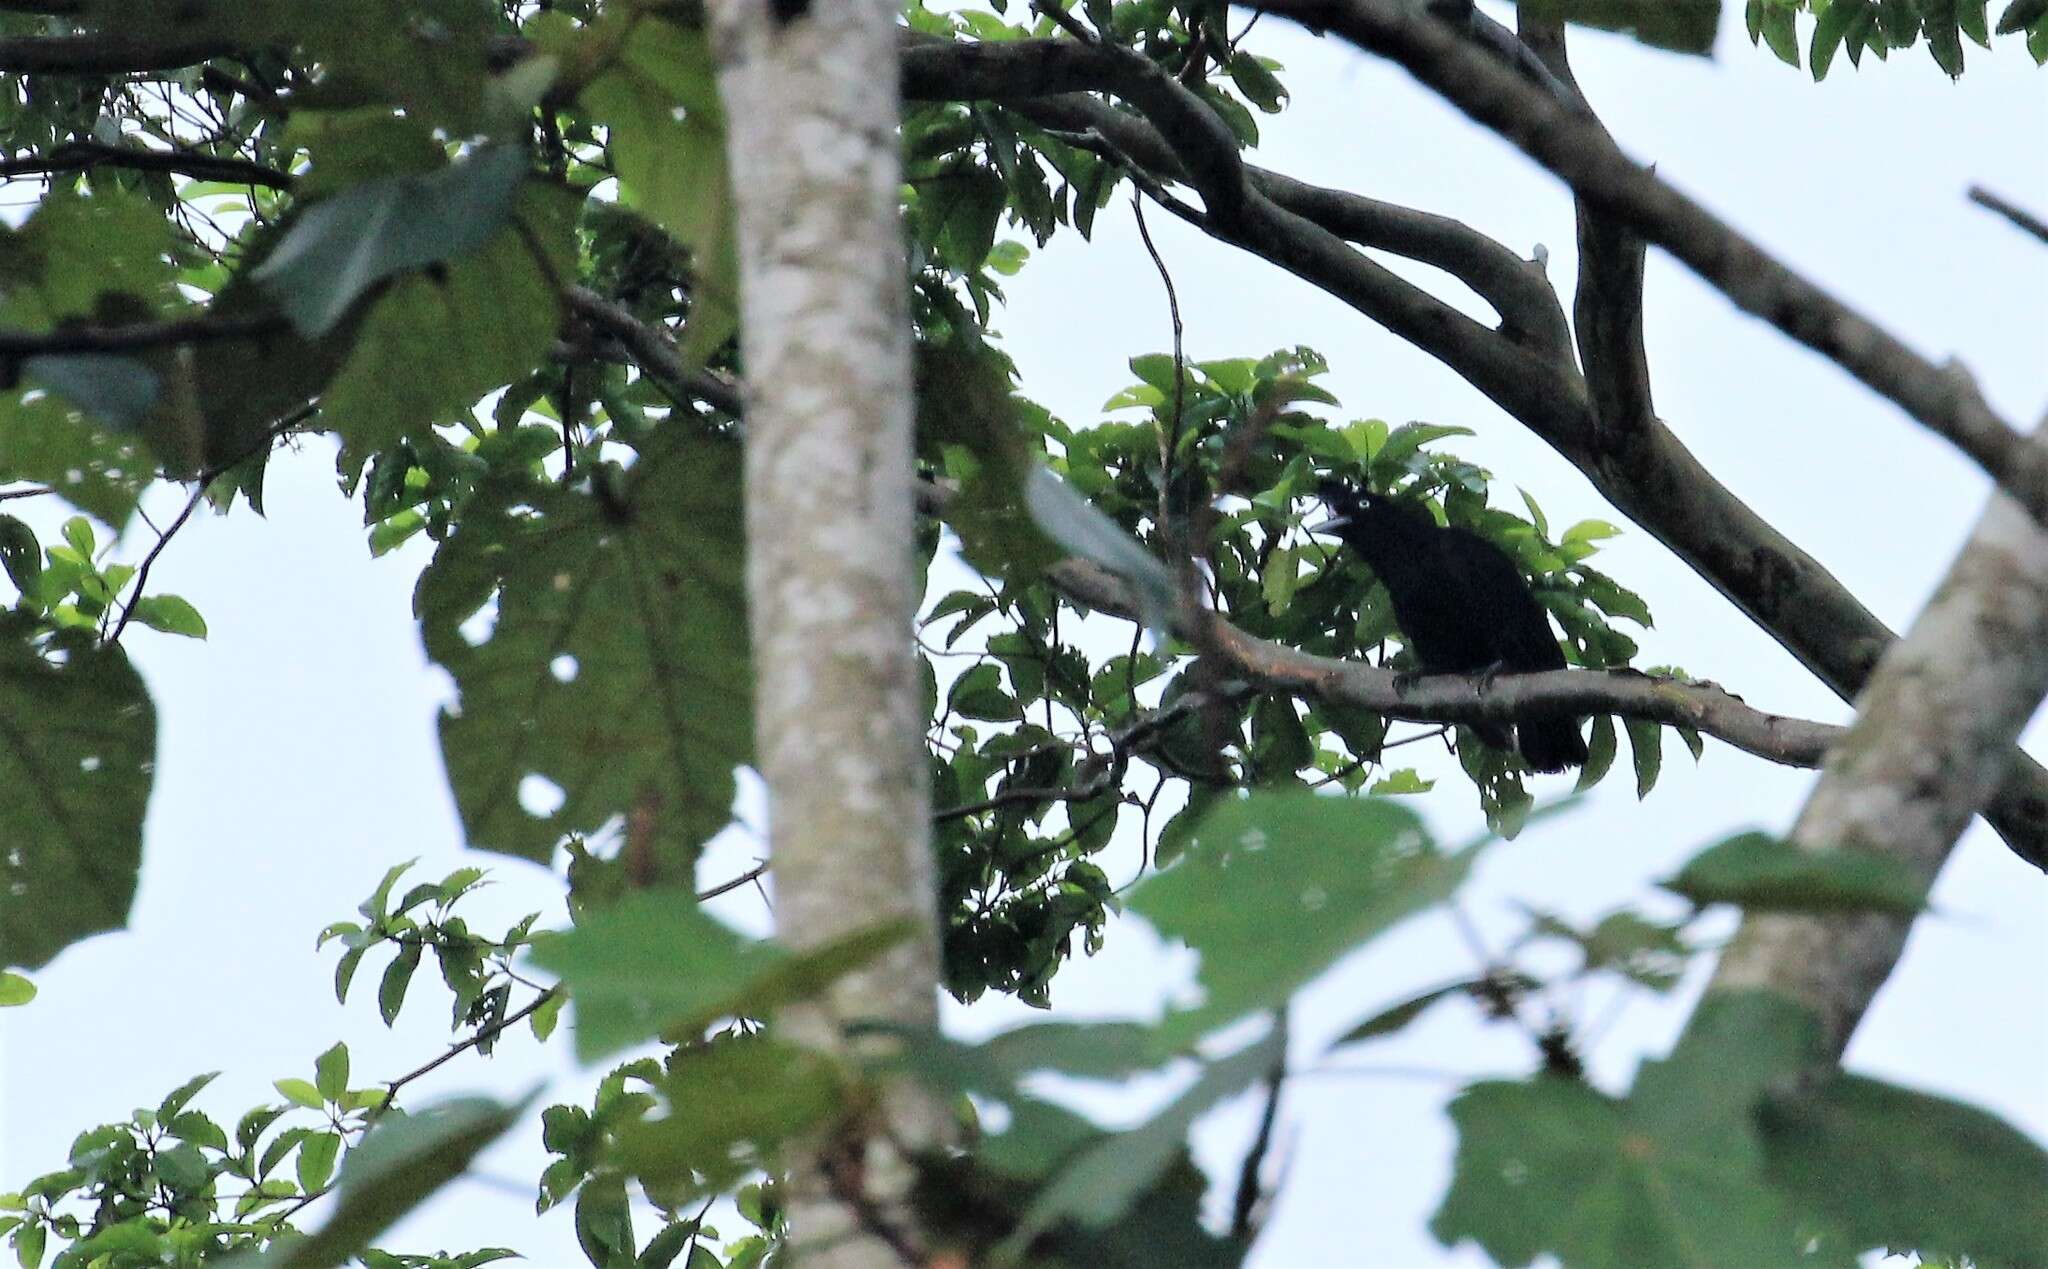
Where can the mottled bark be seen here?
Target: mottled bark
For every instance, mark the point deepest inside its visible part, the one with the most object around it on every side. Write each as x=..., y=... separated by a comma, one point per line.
x=811, y=101
x=1928, y=746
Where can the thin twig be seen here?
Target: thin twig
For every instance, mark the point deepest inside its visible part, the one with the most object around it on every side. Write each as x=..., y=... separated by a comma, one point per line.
x=1244, y=1210
x=205, y=481
x=136, y=335
x=2027, y=221
x=1065, y=21
x=149, y=561
x=725, y=887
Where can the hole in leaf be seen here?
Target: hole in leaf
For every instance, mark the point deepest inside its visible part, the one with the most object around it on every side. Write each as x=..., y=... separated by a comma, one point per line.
x=540, y=797
x=477, y=627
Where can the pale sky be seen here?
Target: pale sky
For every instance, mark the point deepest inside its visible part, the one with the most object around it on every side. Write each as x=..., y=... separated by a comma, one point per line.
x=297, y=757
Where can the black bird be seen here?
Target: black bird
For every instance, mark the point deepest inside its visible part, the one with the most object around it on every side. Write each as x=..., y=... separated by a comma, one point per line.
x=1462, y=604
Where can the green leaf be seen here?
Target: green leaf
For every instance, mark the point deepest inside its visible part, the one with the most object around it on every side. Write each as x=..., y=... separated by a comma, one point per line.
x=665, y=132
x=1099, y=1184
x=1830, y=31
x=1892, y=1167
x=1395, y=1018
x=979, y=694
x=1601, y=748
x=15, y=990
x=1646, y=744
x=170, y=614
x=330, y=1072
x=1405, y=440
x=1759, y=872
x=1334, y=873
x=1781, y=30
x=20, y=552
x=78, y=532
x=654, y=961
x=300, y=1092
x=399, y=1164
x=727, y=1103
x=44, y=439
x=340, y=247
x=71, y=797
x=28, y=1245
x=397, y=977
x=543, y=1019
x=198, y=1129
x=604, y=1222
x=317, y=1155
x=1552, y=1166
x=118, y=391
x=617, y=667
x=1684, y=26
x=436, y=341
x=1401, y=783
x=176, y=1100
x=1279, y=579
x=2021, y=14
x=1257, y=83
x=1075, y=524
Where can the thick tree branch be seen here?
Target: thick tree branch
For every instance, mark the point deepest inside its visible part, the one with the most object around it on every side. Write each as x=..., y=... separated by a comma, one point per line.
x=1576, y=149
x=1704, y=707
x=74, y=156
x=136, y=336
x=101, y=53
x=1647, y=474
x=652, y=350
x=1927, y=746
x=1045, y=81
x=1454, y=698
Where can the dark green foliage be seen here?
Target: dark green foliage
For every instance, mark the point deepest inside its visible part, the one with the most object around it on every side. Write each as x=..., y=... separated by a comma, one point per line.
x=71, y=797
x=1880, y=26
x=437, y=175
x=615, y=666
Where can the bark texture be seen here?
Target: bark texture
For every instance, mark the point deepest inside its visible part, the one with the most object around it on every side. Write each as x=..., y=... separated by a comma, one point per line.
x=811, y=102
x=1928, y=747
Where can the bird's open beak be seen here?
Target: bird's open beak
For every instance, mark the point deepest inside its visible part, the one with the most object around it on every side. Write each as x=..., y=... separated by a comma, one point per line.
x=1331, y=525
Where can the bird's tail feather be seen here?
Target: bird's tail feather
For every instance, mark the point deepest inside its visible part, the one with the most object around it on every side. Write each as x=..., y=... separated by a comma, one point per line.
x=1552, y=744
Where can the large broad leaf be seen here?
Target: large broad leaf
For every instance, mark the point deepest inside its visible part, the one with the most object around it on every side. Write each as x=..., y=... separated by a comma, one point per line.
x=77, y=745
x=438, y=340
x=50, y=440
x=104, y=258
x=1552, y=1166
x=1097, y=1186
x=1276, y=887
x=727, y=1103
x=1673, y=1175
x=654, y=961
x=1687, y=26
x=658, y=101
x=1762, y=873
x=616, y=668
x=1074, y=523
x=1897, y=1168
x=346, y=244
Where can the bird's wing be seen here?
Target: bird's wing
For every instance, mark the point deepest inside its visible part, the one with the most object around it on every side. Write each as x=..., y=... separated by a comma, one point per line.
x=1499, y=597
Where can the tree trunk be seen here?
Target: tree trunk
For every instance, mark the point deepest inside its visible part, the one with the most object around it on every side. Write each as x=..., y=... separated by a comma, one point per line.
x=810, y=93
x=1931, y=740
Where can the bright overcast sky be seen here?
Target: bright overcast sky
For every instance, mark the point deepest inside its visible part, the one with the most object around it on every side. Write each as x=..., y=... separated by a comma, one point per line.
x=298, y=759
